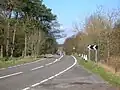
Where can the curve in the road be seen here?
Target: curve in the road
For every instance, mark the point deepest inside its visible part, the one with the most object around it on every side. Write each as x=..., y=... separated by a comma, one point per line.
x=36, y=68
x=45, y=80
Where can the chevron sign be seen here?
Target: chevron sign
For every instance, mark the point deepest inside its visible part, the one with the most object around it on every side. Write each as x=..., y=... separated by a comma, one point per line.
x=92, y=47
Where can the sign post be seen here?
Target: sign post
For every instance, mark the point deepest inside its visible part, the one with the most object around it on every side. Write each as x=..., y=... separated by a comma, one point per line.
x=94, y=47
x=96, y=52
x=89, y=54
x=96, y=58
x=89, y=50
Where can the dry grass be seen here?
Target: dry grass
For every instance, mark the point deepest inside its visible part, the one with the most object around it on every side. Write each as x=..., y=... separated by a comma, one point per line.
x=109, y=69
x=114, y=62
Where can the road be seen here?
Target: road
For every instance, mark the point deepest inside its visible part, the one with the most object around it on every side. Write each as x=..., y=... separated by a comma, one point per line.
x=58, y=73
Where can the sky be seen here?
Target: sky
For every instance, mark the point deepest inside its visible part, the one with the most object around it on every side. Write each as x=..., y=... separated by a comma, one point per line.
x=70, y=12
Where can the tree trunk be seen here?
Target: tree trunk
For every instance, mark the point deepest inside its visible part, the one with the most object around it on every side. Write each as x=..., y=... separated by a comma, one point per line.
x=8, y=35
x=1, y=51
x=7, y=44
x=13, y=40
x=35, y=45
x=32, y=43
x=25, y=30
x=108, y=47
x=38, y=43
x=25, y=49
x=25, y=40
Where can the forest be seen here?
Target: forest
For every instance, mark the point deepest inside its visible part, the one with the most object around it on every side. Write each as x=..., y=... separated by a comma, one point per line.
x=27, y=28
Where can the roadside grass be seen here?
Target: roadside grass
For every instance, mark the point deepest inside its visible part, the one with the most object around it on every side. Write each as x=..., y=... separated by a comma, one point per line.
x=15, y=61
x=93, y=67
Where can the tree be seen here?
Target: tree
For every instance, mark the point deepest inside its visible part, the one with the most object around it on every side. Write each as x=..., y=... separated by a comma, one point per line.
x=102, y=30
x=26, y=30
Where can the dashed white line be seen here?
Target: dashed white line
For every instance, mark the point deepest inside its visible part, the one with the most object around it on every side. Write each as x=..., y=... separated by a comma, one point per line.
x=55, y=61
x=26, y=64
x=60, y=58
x=36, y=68
x=48, y=64
x=14, y=74
x=34, y=85
x=21, y=65
x=26, y=88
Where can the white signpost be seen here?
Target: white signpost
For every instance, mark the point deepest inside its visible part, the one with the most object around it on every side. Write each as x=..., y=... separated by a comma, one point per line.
x=89, y=49
x=96, y=52
x=93, y=47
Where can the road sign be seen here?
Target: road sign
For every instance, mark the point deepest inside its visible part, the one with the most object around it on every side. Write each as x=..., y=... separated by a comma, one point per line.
x=90, y=47
x=95, y=47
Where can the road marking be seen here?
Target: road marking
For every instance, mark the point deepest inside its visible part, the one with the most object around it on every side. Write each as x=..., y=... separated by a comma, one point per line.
x=2, y=68
x=14, y=74
x=54, y=61
x=21, y=65
x=46, y=64
x=60, y=58
x=24, y=64
x=36, y=68
x=26, y=88
x=45, y=80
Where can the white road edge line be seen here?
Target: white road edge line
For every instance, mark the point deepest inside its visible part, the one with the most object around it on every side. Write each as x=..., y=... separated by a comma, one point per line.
x=2, y=68
x=14, y=74
x=36, y=68
x=34, y=85
x=20, y=65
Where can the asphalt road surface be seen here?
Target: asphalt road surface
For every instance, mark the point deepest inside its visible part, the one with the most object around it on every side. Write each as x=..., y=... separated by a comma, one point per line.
x=58, y=73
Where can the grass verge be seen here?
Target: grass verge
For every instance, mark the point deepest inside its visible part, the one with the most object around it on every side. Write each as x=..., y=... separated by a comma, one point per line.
x=108, y=76
x=15, y=61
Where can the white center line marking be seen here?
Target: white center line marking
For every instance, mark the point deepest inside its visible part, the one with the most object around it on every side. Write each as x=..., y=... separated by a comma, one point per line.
x=11, y=75
x=37, y=68
x=22, y=64
x=45, y=80
x=26, y=88
x=48, y=64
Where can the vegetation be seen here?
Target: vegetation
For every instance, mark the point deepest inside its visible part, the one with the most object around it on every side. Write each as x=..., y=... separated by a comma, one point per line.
x=103, y=29
x=27, y=27
x=108, y=76
x=15, y=61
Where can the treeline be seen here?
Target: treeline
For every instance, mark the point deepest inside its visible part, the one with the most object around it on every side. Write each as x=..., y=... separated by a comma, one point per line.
x=102, y=29
x=27, y=27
